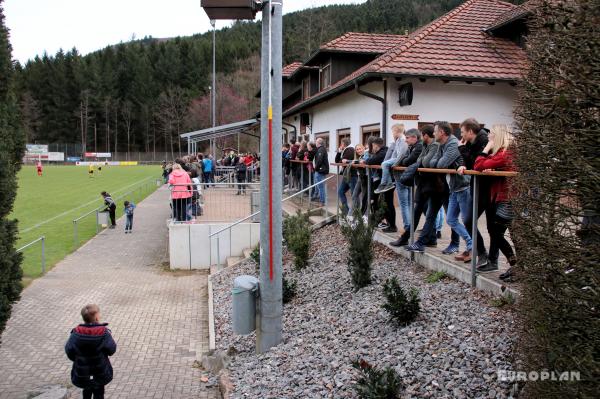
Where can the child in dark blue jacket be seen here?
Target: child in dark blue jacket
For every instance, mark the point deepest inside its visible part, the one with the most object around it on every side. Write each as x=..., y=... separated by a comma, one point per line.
x=89, y=347
x=129, y=207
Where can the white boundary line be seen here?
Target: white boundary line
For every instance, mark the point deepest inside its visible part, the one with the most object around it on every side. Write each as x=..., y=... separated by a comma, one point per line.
x=28, y=229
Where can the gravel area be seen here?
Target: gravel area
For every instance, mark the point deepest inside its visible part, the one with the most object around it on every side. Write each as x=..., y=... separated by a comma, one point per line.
x=452, y=350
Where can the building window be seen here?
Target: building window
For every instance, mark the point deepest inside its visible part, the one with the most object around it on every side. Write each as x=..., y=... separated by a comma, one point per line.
x=325, y=77
x=368, y=131
x=325, y=137
x=342, y=134
x=305, y=88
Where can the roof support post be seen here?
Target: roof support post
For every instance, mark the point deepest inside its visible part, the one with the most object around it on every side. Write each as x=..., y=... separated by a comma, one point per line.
x=383, y=101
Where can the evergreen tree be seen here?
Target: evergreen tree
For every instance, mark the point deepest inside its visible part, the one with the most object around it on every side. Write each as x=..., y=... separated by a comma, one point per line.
x=11, y=153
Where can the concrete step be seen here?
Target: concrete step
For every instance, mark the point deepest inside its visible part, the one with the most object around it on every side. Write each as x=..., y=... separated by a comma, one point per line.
x=232, y=260
x=316, y=219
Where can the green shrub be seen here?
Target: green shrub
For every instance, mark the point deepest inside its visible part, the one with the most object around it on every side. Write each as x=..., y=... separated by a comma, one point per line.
x=403, y=307
x=434, y=277
x=289, y=289
x=360, y=249
x=255, y=254
x=375, y=383
x=503, y=300
x=296, y=233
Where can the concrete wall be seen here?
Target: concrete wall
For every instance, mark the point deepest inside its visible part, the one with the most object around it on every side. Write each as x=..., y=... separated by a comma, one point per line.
x=190, y=246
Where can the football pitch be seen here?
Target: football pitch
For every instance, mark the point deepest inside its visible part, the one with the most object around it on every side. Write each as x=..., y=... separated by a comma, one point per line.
x=47, y=205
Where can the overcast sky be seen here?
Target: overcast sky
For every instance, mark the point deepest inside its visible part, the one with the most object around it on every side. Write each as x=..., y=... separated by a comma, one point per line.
x=47, y=25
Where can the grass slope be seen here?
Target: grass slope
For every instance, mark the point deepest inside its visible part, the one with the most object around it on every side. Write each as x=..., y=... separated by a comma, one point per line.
x=48, y=205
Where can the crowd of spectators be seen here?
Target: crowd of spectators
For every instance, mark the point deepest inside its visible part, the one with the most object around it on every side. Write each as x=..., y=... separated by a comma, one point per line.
x=436, y=194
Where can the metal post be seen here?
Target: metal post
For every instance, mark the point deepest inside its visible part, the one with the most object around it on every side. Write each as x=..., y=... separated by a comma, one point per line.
x=269, y=324
x=474, y=230
x=310, y=190
x=97, y=221
x=214, y=86
x=218, y=250
x=75, y=239
x=43, y=254
x=412, y=218
x=301, y=183
x=337, y=194
x=369, y=194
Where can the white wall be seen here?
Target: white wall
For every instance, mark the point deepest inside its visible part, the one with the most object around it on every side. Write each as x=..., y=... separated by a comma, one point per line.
x=433, y=100
x=453, y=102
x=190, y=245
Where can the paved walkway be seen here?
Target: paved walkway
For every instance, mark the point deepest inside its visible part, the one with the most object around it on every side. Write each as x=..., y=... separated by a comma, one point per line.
x=158, y=318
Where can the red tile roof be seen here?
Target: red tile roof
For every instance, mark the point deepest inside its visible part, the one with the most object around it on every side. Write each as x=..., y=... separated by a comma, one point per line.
x=363, y=43
x=289, y=69
x=452, y=46
x=455, y=46
x=513, y=14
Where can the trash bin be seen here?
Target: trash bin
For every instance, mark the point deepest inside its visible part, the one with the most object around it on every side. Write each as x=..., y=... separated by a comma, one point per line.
x=245, y=289
x=103, y=219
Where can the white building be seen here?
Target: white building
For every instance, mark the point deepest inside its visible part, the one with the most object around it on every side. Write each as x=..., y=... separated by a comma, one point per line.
x=464, y=64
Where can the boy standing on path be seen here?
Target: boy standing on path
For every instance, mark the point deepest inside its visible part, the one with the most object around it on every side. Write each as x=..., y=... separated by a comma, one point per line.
x=129, y=207
x=89, y=347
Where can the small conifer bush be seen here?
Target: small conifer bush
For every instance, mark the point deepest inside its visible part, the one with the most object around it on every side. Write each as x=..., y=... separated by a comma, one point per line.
x=360, y=249
x=289, y=289
x=402, y=306
x=296, y=233
x=375, y=383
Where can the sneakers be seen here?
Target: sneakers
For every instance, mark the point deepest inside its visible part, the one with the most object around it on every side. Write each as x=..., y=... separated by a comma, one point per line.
x=400, y=242
x=450, y=249
x=383, y=188
x=382, y=225
x=432, y=244
x=507, y=275
x=464, y=257
x=488, y=266
x=390, y=229
x=482, y=260
x=416, y=247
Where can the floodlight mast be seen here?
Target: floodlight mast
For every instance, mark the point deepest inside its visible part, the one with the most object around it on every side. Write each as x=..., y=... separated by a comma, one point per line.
x=269, y=323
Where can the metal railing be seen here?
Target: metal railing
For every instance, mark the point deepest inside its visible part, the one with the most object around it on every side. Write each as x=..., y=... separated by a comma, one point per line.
x=250, y=217
x=42, y=239
x=218, y=202
x=475, y=211
x=141, y=189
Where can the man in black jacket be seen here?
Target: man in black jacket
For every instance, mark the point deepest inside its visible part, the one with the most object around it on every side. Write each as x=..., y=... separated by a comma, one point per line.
x=473, y=141
x=89, y=347
x=345, y=152
x=321, y=170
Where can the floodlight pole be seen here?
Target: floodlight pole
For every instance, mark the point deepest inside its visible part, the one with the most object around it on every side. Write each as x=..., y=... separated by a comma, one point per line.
x=269, y=324
x=214, y=89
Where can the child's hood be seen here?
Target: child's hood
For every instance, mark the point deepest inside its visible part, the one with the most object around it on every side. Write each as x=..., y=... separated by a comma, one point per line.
x=91, y=329
x=179, y=172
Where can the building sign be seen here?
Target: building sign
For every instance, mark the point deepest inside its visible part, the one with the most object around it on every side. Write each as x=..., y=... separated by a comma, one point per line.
x=98, y=155
x=404, y=117
x=73, y=159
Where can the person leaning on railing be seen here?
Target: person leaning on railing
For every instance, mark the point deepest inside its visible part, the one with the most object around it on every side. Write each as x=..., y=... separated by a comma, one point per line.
x=179, y=181
x=350, y=176
x=498, y=155
x=423, y=182
x=359, y=195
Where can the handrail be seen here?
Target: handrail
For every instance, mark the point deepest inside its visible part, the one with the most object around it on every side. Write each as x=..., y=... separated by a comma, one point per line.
x=432, y=170
x=42, y=238
x=258, y=212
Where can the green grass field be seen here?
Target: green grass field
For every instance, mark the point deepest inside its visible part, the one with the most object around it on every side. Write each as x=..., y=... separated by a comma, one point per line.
x=48, y=205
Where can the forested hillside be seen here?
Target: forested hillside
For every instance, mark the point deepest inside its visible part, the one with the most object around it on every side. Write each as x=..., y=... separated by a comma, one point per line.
x=140, y=95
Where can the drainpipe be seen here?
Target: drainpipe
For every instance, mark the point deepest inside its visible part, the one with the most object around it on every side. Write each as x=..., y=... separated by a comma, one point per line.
x=383, y=102
x=293, y=127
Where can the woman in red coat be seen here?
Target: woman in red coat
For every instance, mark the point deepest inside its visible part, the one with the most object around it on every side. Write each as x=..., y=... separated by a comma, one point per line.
x=498, y=156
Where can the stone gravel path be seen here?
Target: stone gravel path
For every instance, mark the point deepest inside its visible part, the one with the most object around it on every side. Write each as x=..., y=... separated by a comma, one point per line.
x=453, y=350
x=158, y=318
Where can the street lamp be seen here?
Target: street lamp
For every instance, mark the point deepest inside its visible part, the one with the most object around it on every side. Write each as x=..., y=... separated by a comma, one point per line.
x=269, y=325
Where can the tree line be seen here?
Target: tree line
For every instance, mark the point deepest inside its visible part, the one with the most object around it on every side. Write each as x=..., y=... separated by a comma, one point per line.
x=140, y=95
